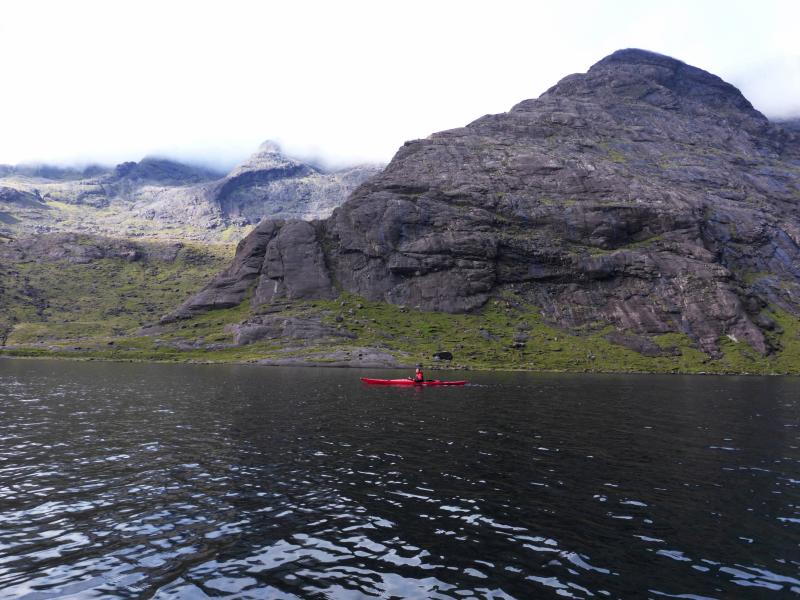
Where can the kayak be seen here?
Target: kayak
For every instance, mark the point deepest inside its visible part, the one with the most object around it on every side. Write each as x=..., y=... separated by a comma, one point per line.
x=409, y=382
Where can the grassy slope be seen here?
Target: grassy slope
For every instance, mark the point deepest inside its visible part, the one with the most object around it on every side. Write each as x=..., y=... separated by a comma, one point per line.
x=96, y=310
x=62, y=305
x=113, y=220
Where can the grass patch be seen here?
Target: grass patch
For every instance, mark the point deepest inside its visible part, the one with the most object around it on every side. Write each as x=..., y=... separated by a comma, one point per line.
x=58, y=302
x=617, y=156
x=95, y=311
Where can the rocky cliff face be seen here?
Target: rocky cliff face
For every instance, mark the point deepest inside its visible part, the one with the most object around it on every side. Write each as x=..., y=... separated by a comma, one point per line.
x=159, y=197
x=791, y=124
x=645, y=194
x=268, y=184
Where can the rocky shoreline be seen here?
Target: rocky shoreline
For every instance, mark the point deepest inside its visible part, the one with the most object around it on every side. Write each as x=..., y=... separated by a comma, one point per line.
x=351, y=364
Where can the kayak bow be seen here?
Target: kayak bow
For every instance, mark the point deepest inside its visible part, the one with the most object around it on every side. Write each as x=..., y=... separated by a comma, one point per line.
x=408, y=382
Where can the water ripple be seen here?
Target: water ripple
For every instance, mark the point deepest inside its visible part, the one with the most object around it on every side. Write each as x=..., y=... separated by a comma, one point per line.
x=187, y=482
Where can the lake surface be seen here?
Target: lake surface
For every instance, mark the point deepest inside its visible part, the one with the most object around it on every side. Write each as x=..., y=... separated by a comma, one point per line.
x=180, y=481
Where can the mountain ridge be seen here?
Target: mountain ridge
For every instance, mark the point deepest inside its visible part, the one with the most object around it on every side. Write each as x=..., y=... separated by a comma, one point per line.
x=165, y=198
x=645, y=195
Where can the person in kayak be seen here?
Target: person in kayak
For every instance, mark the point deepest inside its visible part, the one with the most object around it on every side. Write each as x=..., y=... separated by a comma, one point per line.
x=418, y=376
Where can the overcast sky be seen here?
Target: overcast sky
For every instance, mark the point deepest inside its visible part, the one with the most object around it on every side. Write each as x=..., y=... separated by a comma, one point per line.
x=107, y=81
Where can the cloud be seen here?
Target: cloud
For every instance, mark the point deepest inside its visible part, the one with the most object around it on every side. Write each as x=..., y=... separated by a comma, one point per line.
x=346, y=82
x=772, y=86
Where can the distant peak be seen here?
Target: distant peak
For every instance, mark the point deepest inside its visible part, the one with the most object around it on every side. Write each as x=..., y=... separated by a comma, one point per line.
x=269, y=156
x=163, y=170
x=270, y=147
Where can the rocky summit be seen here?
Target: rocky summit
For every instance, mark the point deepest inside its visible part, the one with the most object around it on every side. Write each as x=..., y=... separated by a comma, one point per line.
x=641, y=198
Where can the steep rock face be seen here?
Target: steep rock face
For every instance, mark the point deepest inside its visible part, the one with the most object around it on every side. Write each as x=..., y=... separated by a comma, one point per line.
x=646, y=194
x=282, y=260
x=270, y=184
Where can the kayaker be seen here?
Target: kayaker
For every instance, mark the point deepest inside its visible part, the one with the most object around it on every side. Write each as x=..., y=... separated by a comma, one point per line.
x=418, y=376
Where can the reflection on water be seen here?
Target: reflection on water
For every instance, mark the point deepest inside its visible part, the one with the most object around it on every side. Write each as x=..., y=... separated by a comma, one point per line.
x=195, y=481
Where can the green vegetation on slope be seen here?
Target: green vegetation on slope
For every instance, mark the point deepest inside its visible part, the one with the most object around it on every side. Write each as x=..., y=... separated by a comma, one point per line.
x=96, y=311
x=61, y=304
x=508, y=336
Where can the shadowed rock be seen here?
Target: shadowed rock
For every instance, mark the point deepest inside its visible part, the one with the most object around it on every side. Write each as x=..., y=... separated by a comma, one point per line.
x=280, y=260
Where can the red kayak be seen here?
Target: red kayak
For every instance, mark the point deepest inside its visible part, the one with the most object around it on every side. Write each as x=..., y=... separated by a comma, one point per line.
x=409, y=382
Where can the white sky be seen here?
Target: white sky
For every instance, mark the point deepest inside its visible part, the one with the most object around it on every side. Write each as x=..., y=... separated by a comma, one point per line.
x=345, y=81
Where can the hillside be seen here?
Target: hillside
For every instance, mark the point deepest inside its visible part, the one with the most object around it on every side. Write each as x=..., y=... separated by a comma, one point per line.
x=640, y=216
x=65, y=292
x=159, y=198
x=642, y=199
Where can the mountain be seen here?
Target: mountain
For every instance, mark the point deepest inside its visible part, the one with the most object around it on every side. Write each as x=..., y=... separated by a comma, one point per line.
x=645, y=201
x=271, y=184
x=791, y=124
x=54, y=172
x=157, y=197
x=268, y=184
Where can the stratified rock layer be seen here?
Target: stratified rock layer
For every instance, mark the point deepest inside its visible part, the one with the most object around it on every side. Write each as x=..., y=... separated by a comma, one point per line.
x=646, y=194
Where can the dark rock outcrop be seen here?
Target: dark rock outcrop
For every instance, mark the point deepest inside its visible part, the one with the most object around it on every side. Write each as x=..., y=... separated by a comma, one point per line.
x=83, y=249
x=280, y=260
x=646, y=194
x=18, y=197
x=163, y=171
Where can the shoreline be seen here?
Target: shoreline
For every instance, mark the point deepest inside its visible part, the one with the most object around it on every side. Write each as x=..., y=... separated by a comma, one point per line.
x=329, y=365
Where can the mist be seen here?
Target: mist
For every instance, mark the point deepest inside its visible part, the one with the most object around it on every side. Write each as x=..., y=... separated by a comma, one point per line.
x=337, y=84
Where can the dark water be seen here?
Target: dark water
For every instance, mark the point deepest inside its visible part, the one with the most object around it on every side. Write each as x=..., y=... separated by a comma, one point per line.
x=194, y=481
